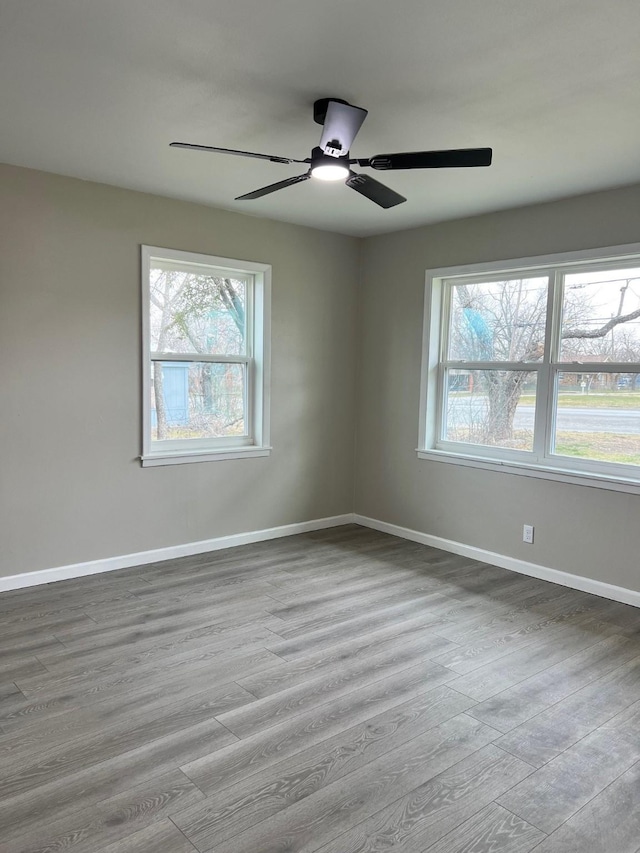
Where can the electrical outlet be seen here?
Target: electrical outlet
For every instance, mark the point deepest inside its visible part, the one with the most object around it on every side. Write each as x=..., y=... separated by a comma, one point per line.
x=527, y=534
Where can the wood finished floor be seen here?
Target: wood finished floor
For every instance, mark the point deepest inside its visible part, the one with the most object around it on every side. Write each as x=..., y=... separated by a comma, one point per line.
x=341, y=692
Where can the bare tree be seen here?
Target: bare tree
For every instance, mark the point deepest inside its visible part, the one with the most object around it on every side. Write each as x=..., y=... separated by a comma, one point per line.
x=502, y=323
x=505, y=322
x=193, y=313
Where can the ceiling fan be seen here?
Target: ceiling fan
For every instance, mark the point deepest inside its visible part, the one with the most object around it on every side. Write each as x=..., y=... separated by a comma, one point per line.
x=330, y=160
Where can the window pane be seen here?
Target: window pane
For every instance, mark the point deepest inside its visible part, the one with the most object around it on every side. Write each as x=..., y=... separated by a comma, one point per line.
x=598, y=416
x=197, y=309
x=490, y=407
x=598, y=322
x=197, y=400
x=499, y=320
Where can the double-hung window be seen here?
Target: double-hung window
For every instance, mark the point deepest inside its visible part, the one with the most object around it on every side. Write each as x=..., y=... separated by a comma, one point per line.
x=536, y=364
x=205, y=357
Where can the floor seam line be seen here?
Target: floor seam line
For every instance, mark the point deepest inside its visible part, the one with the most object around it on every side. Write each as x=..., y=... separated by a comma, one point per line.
x=186, y=837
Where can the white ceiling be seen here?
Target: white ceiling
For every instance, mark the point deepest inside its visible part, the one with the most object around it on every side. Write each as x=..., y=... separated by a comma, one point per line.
x=98, y=88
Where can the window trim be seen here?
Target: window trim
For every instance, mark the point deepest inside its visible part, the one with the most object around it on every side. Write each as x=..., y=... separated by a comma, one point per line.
x=608, y=475
x=257, y=361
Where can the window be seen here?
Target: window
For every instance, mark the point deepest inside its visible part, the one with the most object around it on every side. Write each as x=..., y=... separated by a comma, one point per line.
x=205, y=359
x=535, y=364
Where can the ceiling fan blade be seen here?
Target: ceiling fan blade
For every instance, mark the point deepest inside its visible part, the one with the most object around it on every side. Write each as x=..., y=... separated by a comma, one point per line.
x=274, y=187
x=374, y=190
x=270, y=157
x=341, y=125
x=457, y=157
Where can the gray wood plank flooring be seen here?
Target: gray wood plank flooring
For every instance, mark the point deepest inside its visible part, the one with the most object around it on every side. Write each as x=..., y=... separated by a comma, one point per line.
x=342, y=691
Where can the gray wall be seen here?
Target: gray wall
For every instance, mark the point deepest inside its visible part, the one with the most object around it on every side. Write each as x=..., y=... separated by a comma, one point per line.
x=70, y=486
x=583, y=530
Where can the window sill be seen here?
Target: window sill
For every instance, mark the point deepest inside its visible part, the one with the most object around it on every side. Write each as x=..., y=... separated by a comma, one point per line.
x=182, y=457
x=543, y=472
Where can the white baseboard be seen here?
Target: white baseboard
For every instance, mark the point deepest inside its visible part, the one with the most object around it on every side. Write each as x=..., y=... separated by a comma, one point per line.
x=604, y=590
x=111, y=564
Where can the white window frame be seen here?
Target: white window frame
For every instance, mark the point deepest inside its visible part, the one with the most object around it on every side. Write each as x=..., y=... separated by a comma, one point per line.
x=540, y=461
x=256, y=361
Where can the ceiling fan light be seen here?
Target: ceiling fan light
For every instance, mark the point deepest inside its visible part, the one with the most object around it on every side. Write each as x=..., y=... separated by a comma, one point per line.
x=330, y=172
